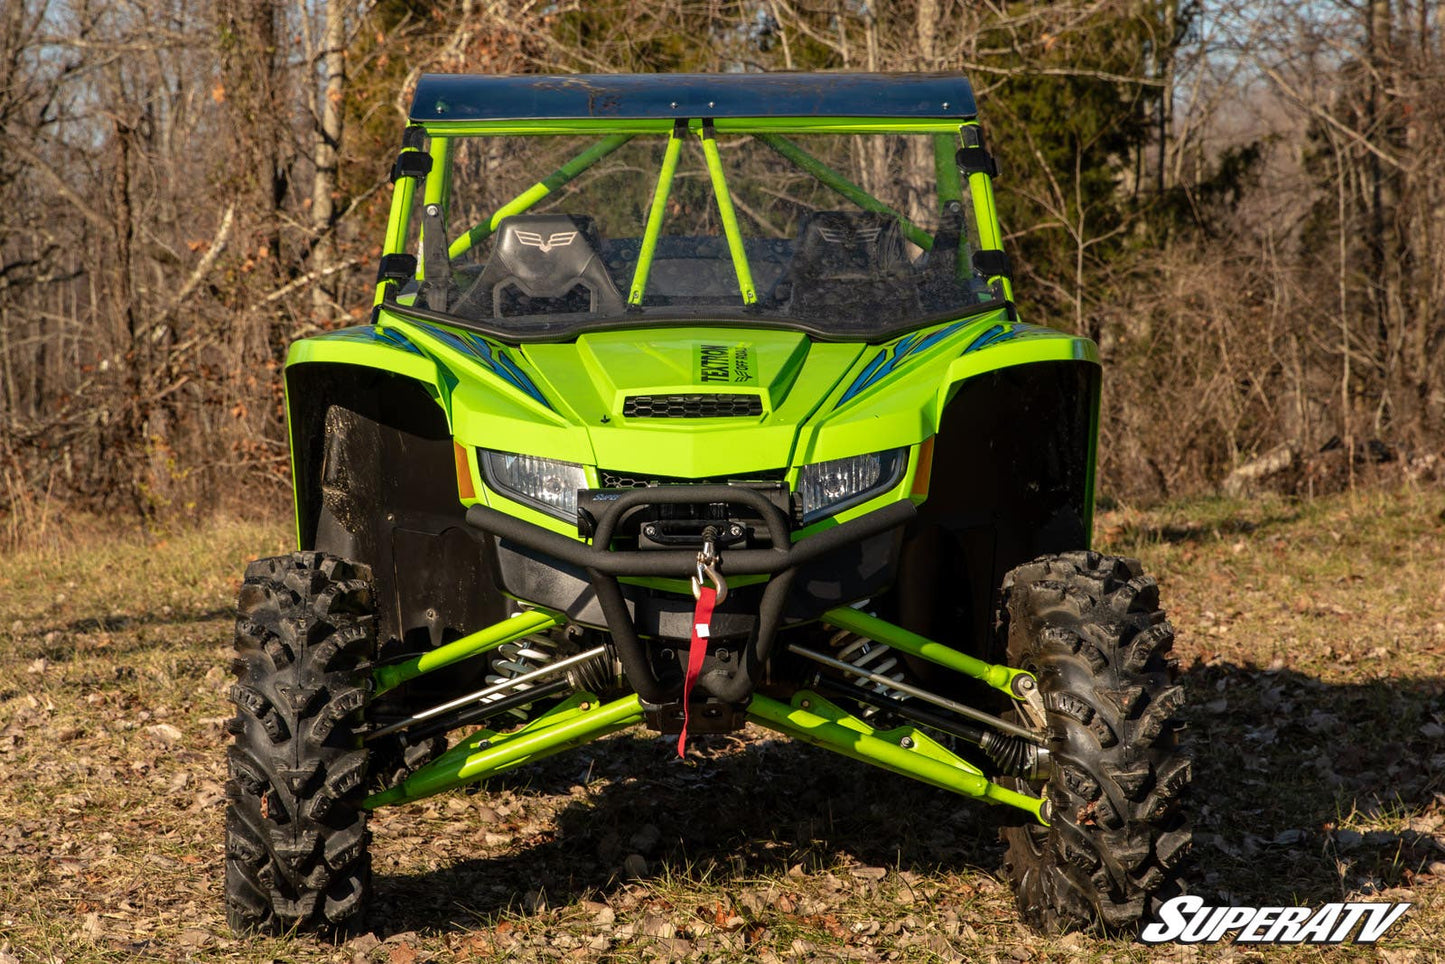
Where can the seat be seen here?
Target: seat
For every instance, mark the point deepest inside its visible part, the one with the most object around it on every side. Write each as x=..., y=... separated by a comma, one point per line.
x=544, y=264
x=845, y=256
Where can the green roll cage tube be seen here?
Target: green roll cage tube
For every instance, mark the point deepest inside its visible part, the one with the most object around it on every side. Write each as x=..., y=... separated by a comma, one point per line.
x=947, y=138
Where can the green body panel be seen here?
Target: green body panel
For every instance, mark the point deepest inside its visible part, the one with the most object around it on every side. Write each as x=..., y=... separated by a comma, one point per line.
x=363, y=354
x=821, y=400
x=593, y=376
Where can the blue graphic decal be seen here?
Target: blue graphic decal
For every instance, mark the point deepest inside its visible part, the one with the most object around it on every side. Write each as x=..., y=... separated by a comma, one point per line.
x=374, y=335
x=493, y=357
x=888, y=360
x=1011, y=331
x=995, y=334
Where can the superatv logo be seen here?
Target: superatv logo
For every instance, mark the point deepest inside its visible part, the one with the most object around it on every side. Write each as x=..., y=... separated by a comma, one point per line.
x=725, y=363
x=1188, y=920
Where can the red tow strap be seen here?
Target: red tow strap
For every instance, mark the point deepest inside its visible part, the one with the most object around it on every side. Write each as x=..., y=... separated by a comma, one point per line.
x=701, y=617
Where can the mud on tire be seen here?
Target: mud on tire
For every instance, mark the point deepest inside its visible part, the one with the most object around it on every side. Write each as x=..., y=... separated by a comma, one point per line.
x=1090, y=628
x=296, y=837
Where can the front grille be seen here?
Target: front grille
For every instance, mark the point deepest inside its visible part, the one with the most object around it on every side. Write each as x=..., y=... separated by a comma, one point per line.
x=692, y=406
x=611, y=479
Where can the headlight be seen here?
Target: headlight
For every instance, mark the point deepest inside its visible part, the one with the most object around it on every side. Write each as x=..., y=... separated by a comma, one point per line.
x=545, y=484
x=829, y=486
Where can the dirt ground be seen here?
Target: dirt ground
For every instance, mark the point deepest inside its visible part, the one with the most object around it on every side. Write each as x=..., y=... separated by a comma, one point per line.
x=1312, y=645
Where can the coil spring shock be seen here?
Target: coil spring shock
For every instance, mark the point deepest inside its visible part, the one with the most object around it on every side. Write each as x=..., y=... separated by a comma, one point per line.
x=534, y=652
x=516, y=658
x=1010, y=754
x=873, y=656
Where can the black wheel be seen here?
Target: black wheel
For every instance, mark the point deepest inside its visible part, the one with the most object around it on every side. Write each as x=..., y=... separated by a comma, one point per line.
x=296, y=837
x=1090, y=629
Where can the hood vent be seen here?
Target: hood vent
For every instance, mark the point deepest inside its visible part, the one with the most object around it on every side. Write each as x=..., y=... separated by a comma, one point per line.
x=692, y=406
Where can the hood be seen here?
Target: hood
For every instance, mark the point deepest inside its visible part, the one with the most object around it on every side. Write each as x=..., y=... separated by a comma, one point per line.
x=690, y=402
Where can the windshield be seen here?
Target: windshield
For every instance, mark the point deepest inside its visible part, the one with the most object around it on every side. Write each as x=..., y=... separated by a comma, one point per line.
x=849, y=233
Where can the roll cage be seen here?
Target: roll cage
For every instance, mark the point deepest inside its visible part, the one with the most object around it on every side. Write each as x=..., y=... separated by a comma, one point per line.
x=771, y=108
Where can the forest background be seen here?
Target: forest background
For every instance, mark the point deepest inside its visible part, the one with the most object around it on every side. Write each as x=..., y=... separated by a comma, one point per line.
x=1243, y=203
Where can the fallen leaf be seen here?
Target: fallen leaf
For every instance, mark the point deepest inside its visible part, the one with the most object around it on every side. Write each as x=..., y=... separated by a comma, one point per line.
x=195, y=937
x=164, y=732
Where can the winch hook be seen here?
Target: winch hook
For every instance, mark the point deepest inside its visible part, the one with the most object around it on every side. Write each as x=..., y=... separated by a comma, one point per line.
x=708, y=562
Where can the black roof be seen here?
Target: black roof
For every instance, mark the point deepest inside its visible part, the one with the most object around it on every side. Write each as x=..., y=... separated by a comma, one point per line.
x=469, y=97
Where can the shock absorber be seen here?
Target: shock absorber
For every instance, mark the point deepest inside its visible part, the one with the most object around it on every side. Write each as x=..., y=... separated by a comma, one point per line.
x=518, y=658
x=1010, y=754
x=876, y=657
x=531, y=653
x=522, y=673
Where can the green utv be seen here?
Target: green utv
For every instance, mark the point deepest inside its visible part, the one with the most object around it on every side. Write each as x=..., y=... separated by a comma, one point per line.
x=691, y=402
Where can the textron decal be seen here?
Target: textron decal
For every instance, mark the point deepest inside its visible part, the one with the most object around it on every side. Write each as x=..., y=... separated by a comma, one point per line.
x=493, y=357
x=732, y=364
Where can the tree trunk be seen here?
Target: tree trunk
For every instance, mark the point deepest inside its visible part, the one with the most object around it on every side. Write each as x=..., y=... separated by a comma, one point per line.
x=1165, y=56
x=1377, y=33
x=251, y=76
x=324, y=186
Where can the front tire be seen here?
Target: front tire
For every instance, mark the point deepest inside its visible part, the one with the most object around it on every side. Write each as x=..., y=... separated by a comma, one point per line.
x=296, y=837
x=1089, y=628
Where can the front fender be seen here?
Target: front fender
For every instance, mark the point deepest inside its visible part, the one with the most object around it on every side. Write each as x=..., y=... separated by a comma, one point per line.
x=898, y=392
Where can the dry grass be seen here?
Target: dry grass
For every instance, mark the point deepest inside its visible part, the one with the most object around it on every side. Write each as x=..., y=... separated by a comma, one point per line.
x=1312, y=639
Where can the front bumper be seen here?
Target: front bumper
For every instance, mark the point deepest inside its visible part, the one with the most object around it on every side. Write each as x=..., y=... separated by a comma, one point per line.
x=732, y=681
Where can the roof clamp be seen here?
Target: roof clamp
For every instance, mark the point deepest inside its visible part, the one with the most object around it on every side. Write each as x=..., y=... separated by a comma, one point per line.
x=396, y=268
x=973, y=157
x=413, y=138
x=991, y=263
x=411, y=164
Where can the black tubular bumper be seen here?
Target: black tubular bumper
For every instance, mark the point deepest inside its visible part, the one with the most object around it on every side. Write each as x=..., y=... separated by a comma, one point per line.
x=604, y=565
